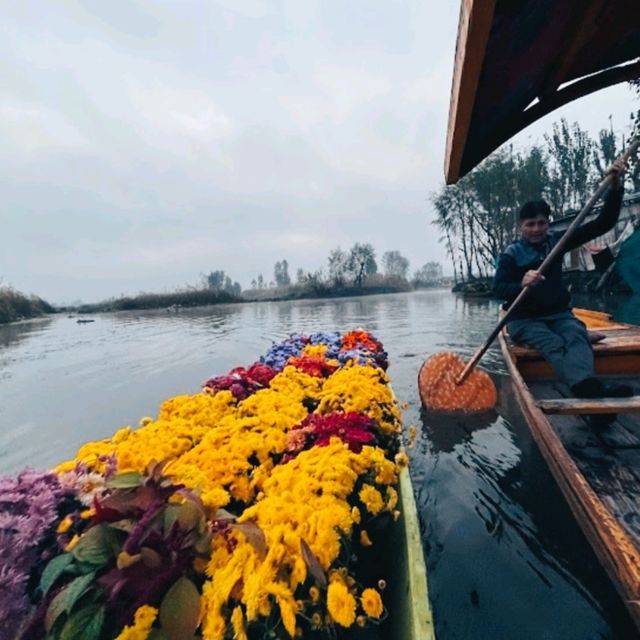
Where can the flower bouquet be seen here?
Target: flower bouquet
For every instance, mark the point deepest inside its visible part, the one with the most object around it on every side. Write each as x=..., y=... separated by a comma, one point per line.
x=259, y=508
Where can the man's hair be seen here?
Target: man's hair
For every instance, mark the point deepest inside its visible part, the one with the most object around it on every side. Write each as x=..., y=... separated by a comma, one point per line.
x=533, y=209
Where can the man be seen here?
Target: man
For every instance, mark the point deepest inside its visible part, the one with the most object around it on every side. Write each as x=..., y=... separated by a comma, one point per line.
x=544, y=320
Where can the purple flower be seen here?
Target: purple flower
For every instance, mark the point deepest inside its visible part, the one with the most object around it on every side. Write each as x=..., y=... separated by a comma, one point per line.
x=28, y=512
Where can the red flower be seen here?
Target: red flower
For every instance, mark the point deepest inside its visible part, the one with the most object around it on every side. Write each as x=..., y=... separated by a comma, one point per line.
x=355, y=429
x=359, y=339
x=243, y=382
x=316, y=366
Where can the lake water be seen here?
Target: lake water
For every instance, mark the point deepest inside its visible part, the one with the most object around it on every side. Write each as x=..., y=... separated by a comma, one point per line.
x=505, y=559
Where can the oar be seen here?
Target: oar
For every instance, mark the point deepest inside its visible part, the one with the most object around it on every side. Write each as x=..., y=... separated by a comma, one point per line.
x=544, y=267
x=444, y=380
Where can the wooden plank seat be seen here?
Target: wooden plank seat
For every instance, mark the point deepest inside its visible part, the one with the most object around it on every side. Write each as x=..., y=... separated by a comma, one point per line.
x=580, y=406
x=616, y=342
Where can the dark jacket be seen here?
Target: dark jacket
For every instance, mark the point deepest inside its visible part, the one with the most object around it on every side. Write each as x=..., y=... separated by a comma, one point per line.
x=550, y=296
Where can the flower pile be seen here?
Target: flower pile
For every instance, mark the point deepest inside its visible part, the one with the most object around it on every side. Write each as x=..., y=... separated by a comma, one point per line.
x=255, y=509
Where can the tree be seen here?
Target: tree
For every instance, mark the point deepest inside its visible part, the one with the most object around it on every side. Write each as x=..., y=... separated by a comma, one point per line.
x=215, y=280
x=362, y=262
x=300, y=276
x=430, y=273
x=281, y=274
x=395, y=264
x=571, y=166
x=260, y=281
x=338, y=266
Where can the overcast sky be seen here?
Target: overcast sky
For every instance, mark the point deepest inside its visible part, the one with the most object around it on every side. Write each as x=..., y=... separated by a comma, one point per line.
x=145, y=143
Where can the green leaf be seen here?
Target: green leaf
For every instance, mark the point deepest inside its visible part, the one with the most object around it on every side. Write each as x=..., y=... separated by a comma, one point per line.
x=54, y=569
x=180, y=610
x=84, y=624
x=170, y=516
x=127, y=480
x=95, y=546
x=188, y=515
x=64, y=601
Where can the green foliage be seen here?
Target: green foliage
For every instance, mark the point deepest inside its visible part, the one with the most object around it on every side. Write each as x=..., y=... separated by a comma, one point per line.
x=143, y=539
x=478, y=216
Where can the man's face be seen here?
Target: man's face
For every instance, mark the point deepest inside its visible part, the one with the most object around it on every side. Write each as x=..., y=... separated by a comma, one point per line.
x=535, y=229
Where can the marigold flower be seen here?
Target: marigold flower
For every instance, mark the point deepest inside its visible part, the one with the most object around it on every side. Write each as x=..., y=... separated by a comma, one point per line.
x=371, y=499
x=372, y=603
x=142, y=622
x=341, y=604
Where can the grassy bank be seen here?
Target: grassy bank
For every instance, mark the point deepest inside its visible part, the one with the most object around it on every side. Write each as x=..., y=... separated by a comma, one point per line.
x=18, y=306
x=186, y=298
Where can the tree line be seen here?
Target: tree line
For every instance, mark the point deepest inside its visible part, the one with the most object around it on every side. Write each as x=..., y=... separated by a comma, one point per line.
x=353, y=268
x=478, y=216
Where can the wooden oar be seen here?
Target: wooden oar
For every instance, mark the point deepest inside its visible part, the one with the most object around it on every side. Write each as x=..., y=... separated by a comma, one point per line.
x=553, y=254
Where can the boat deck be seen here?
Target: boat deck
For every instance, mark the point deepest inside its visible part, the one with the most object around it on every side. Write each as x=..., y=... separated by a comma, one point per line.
x=609, y=459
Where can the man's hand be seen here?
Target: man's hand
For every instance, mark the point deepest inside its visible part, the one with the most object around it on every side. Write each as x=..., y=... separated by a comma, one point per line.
x=532, y=278
x=616, y=170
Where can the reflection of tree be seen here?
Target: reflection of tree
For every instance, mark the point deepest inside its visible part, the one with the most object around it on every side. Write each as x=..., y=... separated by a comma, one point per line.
x=10, y=334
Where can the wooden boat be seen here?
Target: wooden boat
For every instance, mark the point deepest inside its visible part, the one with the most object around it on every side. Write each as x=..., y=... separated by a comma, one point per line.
x=514, y=65
x=411, y=617
x=597, y=471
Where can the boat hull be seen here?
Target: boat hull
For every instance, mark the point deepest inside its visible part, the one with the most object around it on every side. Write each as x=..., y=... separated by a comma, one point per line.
x=615, y=545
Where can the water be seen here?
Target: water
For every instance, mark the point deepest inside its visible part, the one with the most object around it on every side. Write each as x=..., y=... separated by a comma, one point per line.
x=505, y=559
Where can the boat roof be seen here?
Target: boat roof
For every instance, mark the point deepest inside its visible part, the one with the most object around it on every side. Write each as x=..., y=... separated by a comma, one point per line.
x=518, y=60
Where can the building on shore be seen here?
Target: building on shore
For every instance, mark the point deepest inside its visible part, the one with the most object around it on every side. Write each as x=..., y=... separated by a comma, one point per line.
x=608, y=262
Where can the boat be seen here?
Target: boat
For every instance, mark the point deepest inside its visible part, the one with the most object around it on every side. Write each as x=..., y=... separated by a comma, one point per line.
x=411, y=617
x=282, y=484
x=514, y=65
x=598, y=471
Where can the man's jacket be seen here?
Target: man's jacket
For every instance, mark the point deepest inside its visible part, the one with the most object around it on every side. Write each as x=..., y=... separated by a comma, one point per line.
x=550, y=296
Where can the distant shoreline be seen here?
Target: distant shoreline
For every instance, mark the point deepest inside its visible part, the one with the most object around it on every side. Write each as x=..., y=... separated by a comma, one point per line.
x=174, y=302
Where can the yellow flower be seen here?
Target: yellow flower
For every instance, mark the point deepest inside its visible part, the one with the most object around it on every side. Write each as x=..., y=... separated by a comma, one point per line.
x=371, y=499
x=402, y=460
x=72, y=543
x=314, y=594
x=341, y=604
x=125, y=560
x=65, y=524
x=237, y=622
x=365, y=540
x=372, y=603
x=142, y=622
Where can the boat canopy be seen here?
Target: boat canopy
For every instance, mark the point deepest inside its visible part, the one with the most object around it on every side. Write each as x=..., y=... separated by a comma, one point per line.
x=518, y=60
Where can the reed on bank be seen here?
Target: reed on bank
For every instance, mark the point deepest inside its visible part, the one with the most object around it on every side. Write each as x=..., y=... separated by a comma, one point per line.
x=18, y=306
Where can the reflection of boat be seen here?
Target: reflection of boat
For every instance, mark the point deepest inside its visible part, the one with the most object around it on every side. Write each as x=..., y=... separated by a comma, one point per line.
x=598, y=472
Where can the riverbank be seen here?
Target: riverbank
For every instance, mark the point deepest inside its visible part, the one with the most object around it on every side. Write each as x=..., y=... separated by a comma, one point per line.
x=15, y=306
x=206, y=297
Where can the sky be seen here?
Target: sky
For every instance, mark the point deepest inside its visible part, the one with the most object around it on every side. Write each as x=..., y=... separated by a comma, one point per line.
x=145, y=143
